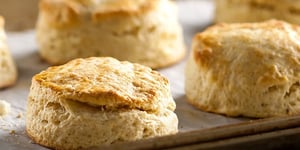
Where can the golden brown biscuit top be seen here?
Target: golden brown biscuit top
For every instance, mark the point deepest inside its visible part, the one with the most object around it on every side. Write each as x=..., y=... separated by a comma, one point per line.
x=105, y=81
x=68, y=12
x=266, y=53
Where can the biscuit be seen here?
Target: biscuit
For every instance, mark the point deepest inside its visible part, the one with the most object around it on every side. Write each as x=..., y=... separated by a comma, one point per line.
x=8, y=71
x=246, y=69
x=5, y=108
x=257, y=10
x=93, y=101
x=139, y=31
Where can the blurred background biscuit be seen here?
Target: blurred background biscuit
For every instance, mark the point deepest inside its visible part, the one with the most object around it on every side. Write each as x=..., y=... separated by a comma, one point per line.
x=140, y=31
x=257, y=10
x=8, y=70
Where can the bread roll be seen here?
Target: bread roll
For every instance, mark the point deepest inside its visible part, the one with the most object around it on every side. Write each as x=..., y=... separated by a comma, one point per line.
x=140, y=31
x=8, y=71
x=93, y=101
x=248, y=69
x=257, y=10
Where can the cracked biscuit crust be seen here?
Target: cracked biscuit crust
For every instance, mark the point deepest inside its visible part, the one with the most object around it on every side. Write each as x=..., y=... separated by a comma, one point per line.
x=108, y=82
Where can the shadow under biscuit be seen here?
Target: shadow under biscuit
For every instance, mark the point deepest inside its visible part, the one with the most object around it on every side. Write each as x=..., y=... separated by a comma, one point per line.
x=191, y=118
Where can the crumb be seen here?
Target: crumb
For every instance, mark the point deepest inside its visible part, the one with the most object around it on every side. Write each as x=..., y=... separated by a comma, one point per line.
x=20, y=115
x=12, y=132
x=4, y=108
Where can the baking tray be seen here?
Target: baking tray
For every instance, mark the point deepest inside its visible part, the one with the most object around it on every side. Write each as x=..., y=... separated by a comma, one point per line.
x=197, y=129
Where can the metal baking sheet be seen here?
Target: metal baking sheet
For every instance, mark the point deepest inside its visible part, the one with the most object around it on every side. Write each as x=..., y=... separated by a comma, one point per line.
x=194, y=15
